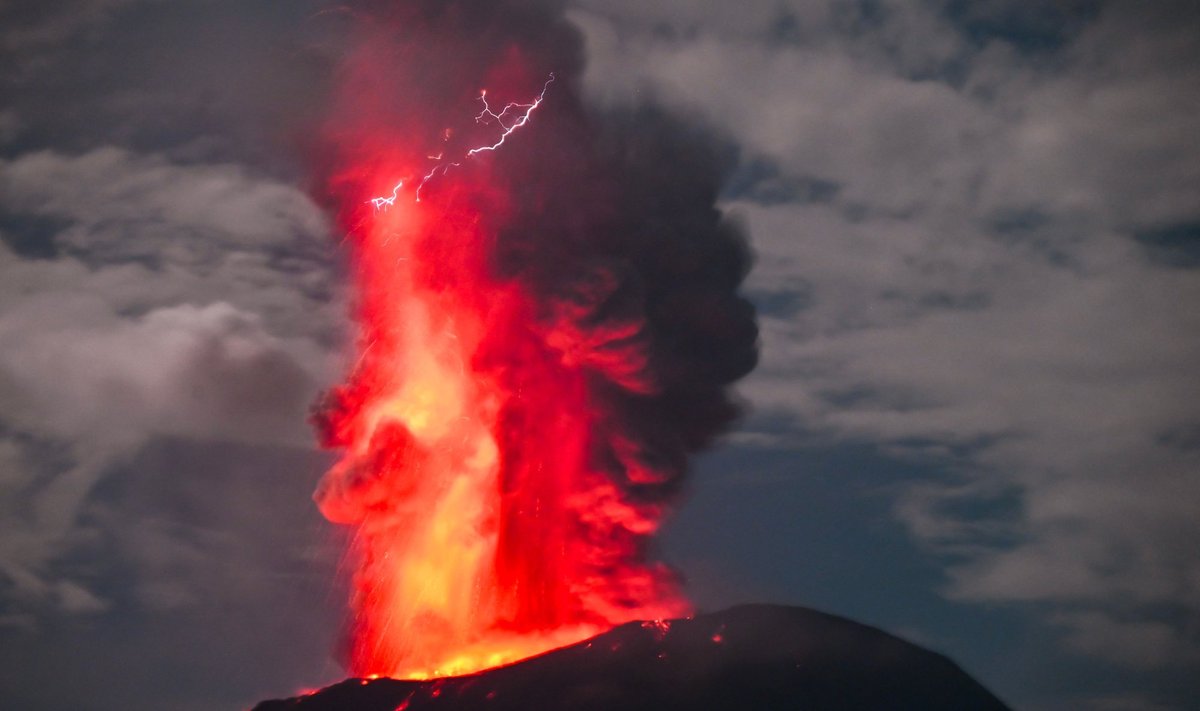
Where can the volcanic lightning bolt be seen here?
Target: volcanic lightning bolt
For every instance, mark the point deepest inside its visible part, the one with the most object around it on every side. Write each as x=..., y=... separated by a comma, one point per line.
x=380, y=202
x=499, y=117
x=483, y=117
x=545, y=333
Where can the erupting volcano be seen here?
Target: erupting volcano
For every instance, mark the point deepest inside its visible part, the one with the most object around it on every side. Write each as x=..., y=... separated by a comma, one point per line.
x=549, y=323
x=549, y=320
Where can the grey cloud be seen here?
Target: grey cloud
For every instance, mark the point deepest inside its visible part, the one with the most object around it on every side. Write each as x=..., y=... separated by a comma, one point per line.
x=187, y=300
x=1059, y=135
x=1108, y=134
x=1040, y=359
x=1126, y=702
x=212, y=81
x=832, y=115
x=1050, y=390
x=169, y=303
x=105, y=388
x=185, y=369
x=144, y=232
x=1136, y=643
x=30, y=26
x=10, y=125
x=198, y=525
x=218, y=576
x=125, y=206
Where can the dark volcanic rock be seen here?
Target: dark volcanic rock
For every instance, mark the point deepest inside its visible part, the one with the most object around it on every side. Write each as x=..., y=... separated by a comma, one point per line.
x=747, y=657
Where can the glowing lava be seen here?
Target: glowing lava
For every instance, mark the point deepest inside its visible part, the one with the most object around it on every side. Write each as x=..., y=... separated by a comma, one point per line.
x=549, y=320
x=486, y=532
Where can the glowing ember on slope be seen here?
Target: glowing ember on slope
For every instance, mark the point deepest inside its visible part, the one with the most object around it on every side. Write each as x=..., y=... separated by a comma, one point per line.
x=546, y=331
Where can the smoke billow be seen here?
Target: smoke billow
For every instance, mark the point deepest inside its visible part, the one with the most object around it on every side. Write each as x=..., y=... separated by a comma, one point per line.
x=582, y=279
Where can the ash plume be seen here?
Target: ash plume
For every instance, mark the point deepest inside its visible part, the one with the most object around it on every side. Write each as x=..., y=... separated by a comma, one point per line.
x=606, y=284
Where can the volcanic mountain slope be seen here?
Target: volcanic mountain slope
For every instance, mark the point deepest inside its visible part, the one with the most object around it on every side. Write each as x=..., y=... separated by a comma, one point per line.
x=748, y=657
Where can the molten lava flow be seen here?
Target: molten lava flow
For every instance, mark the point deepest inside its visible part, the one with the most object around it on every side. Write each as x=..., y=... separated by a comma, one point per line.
x=485, y=533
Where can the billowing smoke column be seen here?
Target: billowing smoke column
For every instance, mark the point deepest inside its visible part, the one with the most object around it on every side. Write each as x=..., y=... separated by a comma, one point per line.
x=547, y=331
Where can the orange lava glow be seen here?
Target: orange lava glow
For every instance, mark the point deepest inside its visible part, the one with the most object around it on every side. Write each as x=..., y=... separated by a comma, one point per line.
x=485, y=532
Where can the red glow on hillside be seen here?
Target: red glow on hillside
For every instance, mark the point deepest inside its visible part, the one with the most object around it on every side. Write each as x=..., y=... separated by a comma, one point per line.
x=484, y=531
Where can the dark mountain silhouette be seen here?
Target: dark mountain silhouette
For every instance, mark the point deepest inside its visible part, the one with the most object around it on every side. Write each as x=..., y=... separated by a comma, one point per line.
x=746, y=657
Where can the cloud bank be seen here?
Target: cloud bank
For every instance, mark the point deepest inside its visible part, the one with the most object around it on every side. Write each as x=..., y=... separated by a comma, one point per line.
x=964, y=225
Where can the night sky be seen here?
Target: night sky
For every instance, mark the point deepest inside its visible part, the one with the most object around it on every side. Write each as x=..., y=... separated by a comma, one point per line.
x=975, y=423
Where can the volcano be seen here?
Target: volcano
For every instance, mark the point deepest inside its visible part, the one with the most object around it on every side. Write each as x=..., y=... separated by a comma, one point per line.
x=746, y=657
x=550, y=321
